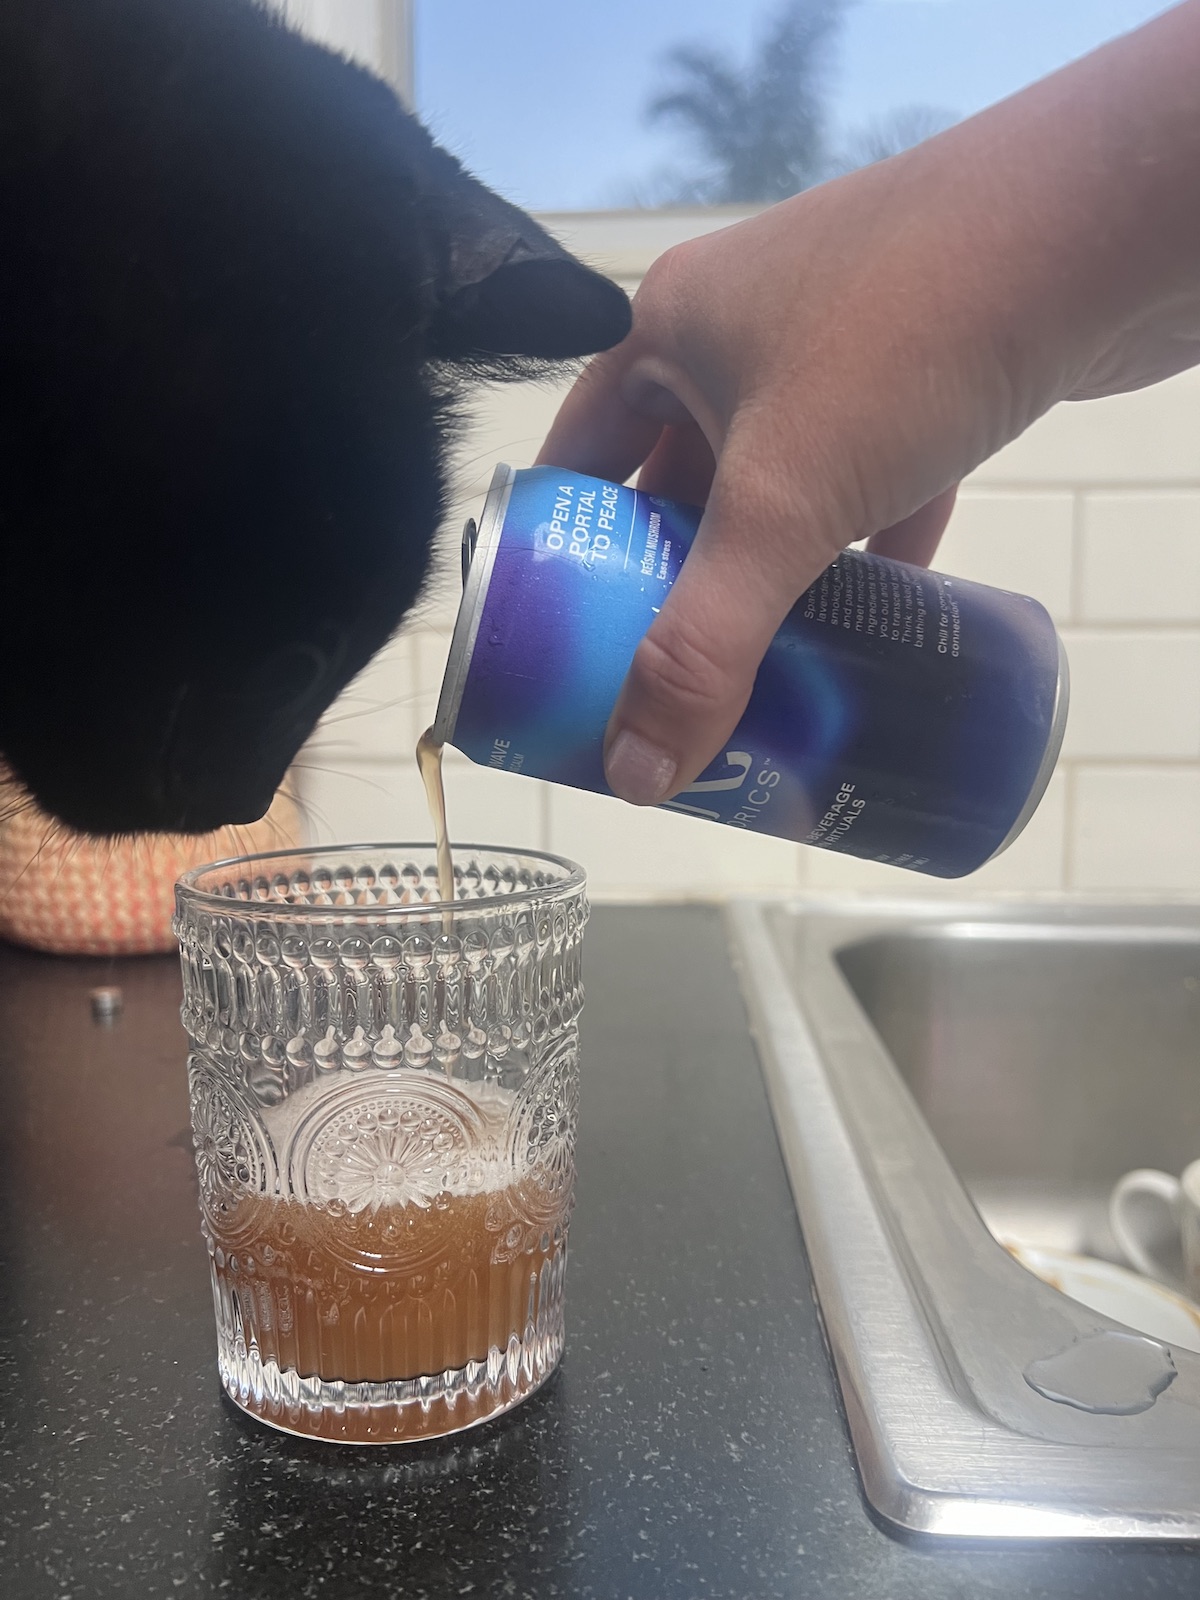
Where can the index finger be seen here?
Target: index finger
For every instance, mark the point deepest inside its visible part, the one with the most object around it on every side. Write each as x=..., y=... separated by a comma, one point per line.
x=596, y=430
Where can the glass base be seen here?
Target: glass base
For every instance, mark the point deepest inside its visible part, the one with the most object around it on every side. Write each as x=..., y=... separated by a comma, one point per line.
x=400, y=1411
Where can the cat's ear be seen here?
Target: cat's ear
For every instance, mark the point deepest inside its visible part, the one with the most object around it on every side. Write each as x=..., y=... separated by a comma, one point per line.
x=510, y=289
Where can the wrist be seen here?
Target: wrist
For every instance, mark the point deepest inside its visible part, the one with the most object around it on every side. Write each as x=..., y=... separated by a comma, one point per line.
x=1077, y=203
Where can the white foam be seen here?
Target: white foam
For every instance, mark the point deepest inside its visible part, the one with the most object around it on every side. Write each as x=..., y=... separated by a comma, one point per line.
x=487, y=1169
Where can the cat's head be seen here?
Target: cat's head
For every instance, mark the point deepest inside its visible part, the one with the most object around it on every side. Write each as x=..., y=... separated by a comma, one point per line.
x=244, y=291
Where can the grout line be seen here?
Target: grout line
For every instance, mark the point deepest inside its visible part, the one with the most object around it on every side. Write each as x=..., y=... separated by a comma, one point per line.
x=1022, y=486
x=1187, y=626
x=414, y=686
x=1070, y=815
x=544, y=816
x=1169, y=763
x=805, y=854
x=972, y=489
x=799, y=874
x=1077, y=547
x=459, y=763
x=1137, y=763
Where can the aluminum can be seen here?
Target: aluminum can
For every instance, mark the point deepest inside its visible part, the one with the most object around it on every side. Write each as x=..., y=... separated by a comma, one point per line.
x=899, y=715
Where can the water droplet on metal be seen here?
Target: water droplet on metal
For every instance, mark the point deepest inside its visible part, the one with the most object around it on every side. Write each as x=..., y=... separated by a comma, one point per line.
x=1117, y=1374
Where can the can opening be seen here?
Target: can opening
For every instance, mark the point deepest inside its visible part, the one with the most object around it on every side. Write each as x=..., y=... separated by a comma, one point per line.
x=479, y=539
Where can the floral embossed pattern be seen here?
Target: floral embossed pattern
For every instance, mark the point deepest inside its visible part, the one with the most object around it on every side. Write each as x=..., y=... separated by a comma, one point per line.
x=542, y=1142
x=388, y=1157
x=405, y=1146
x=234, y=1157
x=372, y=1152
x=384, y=1098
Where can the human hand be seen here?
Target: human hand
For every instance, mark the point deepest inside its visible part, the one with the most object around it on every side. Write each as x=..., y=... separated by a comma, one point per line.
x=830, y=369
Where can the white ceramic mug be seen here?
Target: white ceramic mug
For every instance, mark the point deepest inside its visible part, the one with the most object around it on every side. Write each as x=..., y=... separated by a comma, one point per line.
x=1155, y=1219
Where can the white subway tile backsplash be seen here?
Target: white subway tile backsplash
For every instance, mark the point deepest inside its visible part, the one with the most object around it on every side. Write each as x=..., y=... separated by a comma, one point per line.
x=355, y=800
x=1034, y=861
x=509, y=422
x=372, y=719
x=382, y=714
x=1015, y=541
x=430, y=649
x=1137, y=829
x=1134, y=695
x=630, y=851
x=1150, y=436
x=386, y=801
x=486, y=807
x=1140, y=557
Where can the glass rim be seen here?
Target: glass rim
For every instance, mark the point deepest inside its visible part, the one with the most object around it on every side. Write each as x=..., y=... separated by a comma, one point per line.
x=575, y=878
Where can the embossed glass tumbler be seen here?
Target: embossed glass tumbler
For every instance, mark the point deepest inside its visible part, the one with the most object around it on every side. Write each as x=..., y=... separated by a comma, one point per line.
x=383, y=1096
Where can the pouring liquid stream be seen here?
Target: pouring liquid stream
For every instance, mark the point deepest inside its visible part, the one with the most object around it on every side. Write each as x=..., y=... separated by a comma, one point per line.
x=429, y=761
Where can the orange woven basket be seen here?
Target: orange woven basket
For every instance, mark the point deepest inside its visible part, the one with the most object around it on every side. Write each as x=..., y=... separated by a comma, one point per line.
x=71, y=895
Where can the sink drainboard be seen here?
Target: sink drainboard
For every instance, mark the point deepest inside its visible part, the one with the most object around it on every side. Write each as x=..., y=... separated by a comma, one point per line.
x=944, y=1077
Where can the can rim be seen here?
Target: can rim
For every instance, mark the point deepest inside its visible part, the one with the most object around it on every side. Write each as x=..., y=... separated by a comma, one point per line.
x=476, y=580
x=1050, y=755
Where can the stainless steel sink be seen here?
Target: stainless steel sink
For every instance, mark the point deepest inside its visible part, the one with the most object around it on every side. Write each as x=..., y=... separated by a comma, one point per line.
x=943, y=1077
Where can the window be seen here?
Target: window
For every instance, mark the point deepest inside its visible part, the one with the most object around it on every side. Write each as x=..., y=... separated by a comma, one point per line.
x=376, y=32
x=632, y=125
x=591, y=107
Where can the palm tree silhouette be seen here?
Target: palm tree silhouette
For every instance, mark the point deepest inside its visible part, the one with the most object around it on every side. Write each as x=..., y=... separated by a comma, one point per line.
x=760, y=130
x=889, y=134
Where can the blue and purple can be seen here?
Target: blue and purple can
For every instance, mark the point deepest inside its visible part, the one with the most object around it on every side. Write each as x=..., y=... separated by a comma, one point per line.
x=900, y=715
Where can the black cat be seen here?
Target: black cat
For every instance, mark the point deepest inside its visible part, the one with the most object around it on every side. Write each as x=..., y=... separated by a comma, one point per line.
x=240, y=292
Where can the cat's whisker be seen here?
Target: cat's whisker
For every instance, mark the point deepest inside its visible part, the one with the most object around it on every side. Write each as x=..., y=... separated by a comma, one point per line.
x=330, y=772
x=69, y=849
x=276, y=833
x=17, y=809
x=400, y=703
x=19, y=799
x=308, y=810
x=314, y=817
x=465, y=464
x=52, y=827
x=515, y=446
x=243, y=840
x=336, y=772
x=70, y=854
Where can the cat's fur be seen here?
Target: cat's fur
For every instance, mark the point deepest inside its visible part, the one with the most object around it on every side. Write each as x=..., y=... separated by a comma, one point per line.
x=240, y=291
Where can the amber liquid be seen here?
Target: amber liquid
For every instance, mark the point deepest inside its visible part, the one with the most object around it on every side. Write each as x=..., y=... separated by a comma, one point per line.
x=429, y=763
x=315, y=1293
x=312, y=1301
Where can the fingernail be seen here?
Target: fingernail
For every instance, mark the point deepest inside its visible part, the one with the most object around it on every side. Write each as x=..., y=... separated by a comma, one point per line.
x=637, y=770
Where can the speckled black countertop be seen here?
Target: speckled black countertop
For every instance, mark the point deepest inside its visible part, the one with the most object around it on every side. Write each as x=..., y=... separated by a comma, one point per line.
x=690, y=1446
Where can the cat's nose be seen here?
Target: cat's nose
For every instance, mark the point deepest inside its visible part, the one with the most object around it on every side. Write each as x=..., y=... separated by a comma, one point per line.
x=202, y=801
x=230, y=748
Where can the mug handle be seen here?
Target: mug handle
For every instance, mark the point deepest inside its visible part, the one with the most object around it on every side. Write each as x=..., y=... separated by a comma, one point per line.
x=1144, y=1183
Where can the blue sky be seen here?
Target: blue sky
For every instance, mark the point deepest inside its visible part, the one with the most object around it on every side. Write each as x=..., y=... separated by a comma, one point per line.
x=544, y=98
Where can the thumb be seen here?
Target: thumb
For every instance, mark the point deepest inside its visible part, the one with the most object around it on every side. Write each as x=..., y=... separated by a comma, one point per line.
x=758, y=547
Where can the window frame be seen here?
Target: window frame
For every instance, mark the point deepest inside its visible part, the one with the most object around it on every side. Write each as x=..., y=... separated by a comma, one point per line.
x=621, y=242
x=393, y=57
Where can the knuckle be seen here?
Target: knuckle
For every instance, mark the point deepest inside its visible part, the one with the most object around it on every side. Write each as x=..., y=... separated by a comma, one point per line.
x=800, y=512
x=664, y=292
x=676, y=670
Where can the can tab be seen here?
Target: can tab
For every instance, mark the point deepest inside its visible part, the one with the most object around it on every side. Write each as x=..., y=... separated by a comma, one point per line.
x=470, y=539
